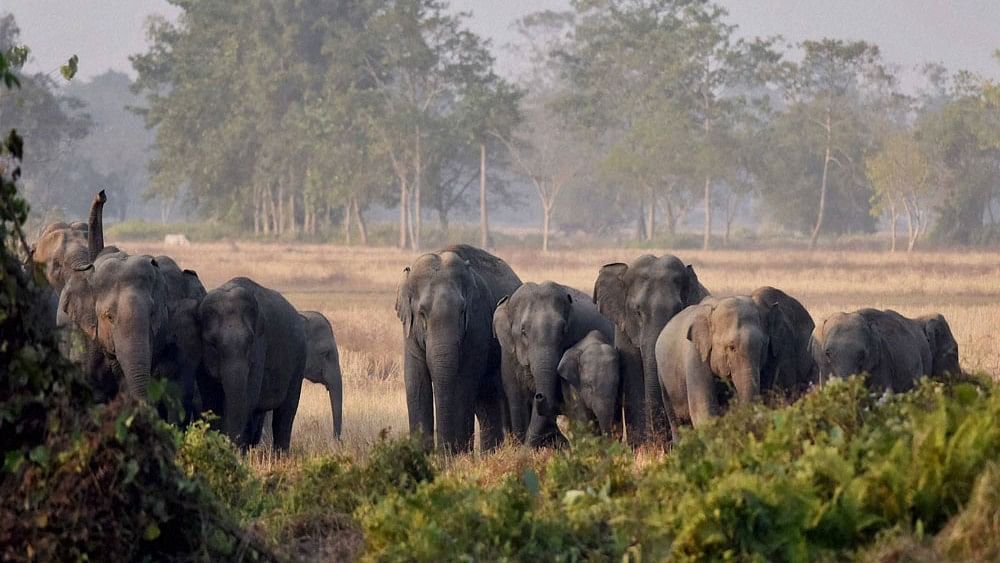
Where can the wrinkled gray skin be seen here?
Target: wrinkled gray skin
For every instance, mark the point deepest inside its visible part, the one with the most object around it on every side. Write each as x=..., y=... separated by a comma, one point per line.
x=323, y=363
x=944, y=347
x=892, y=349
x=591, y=383
x=791, y=369
x=535, y=326
x=640, y=298
x=543, y=428
x=451, y=359
x=255, y=348
x=709, y=346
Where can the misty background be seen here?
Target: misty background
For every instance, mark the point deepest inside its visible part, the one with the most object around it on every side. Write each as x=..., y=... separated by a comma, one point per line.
x=561, y=124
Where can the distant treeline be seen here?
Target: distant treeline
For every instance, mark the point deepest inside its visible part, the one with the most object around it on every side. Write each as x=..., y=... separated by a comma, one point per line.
x=292, y=118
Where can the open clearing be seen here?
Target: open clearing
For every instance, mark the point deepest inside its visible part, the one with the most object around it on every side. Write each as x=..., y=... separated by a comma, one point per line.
x=355, y=288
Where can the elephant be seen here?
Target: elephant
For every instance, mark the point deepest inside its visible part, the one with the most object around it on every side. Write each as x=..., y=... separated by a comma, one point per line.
x=178, y=354
x=451, y=359
x=591, y=383
x=323, y=363
x=119, y=302
x=792, y=370
x=892, y=349
x=255, y=352
x=62, y=248
x=720, y=342
x=944, y=347
x=641, y=298
x=543, y=429
x=535, y=326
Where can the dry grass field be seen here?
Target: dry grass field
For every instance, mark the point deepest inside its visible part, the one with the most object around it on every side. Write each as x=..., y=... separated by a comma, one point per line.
x=355, y=288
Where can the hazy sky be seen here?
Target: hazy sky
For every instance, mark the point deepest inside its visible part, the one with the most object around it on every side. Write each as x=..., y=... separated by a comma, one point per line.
x=959, y=33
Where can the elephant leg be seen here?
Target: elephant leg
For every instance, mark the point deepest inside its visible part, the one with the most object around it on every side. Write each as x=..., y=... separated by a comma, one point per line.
x=284, y=416
x=518, y=401
x=419, y=397
x=255, y=428
x=489, y=412
x=633, y=389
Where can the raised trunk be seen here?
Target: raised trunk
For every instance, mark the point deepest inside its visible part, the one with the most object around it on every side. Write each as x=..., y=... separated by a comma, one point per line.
x=95, y=226
x=484, y=220
x=821, y=212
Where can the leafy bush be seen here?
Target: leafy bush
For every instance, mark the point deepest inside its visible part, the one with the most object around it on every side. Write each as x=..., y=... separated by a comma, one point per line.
x=209, y=456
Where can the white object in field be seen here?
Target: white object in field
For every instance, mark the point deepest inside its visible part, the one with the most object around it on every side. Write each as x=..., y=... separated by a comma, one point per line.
x=176, y=240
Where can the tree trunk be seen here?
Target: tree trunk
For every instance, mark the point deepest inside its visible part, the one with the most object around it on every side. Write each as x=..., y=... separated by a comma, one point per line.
x=418, y=183
x=484, y=220
x=347, y=223
x=256, y=210
x=546, y=217
x=651, y=217
x=707, y=242
x=822, y=187
x=640, y=223
x=292, y=227
x=892, y=225
x=911, y=232
x=671, y=218
x=359, y=218
x=404, y=212
x=281, y=208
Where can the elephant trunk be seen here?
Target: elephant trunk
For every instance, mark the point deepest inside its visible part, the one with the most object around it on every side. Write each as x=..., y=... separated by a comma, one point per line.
x=543, y=431
x=452, y=404
x=95, y=226
x=236, y=406
x=335, y=387
x=544, y=362
x=658, y=427
x=132, y=348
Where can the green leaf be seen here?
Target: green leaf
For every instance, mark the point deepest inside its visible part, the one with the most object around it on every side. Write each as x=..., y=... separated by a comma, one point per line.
x=69, y=69
x=39, y=455
x=152, y=532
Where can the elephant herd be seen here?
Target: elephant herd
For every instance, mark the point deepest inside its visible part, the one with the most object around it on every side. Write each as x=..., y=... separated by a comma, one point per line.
x=653, y=350
x=650, y=351
x=240, y=350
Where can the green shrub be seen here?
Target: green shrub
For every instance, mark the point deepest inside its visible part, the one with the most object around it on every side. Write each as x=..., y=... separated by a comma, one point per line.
x=209, y=456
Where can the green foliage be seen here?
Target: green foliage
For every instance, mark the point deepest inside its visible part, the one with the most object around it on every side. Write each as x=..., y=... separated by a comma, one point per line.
x=210, y=457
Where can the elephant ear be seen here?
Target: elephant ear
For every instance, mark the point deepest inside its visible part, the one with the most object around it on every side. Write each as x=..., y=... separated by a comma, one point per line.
x=569, y=366
x=783, y=340
x=76, y=302
x=404, y=302
x=692, y=292
x=700, y=333
x=502, y=327
x=610, y=293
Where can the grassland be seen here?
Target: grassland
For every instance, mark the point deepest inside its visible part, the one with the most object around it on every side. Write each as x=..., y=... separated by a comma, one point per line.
x=355, y=288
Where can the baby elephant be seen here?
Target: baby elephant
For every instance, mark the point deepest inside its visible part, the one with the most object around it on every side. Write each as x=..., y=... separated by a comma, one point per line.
x=591, y=383
x=323, y=363
x=893, y=350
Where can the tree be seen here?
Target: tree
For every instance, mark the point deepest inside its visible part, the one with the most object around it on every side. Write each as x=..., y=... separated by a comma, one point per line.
x=900, y=175
x=827, y=98
x=51, y=123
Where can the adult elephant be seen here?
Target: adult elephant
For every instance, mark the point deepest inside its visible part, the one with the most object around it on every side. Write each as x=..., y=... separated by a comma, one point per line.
x=119, y=302
x=641, y=298
x=892, y=349
x=323, y=363
x=535, y=326
x=62, y=248
x=451, y=359
x=721, y=342
x=255, y=349
x=944, y=347
x=177, y=356
x=791, y=369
